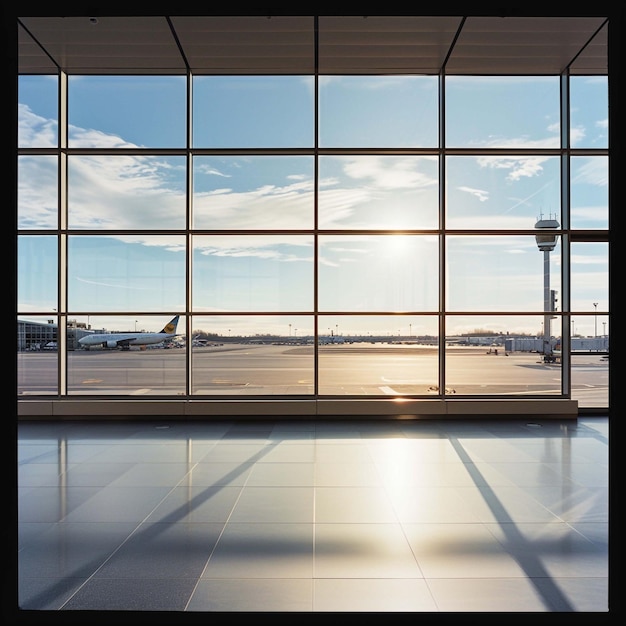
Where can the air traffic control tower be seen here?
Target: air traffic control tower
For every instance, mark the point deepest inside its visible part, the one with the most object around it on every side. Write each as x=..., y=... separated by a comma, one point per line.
x=546, y=242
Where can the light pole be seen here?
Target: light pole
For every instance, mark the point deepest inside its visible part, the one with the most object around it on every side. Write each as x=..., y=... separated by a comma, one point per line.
x=595, y=319
x=546, y=243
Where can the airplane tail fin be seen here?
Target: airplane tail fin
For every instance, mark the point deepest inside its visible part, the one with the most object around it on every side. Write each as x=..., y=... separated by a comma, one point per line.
x=170, y=327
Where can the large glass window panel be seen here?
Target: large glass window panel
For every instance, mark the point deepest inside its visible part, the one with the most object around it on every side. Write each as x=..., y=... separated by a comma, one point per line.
x=378, y=111
x=127, y=111
x=37, y=277
x=590, y=360
x=377, y=191
x=590, y=332
x=38, y=102
x=589, y=192
x=126, y=272
x=127, y=192
x=589, y=111
x=589, y=280
x=590, y=378
x=253, y=111
x=264, y=315
x=501, y=192
x=252, y=355
x=252, y=273
x=37, y=192
x=491, y=355
x=381, y=355
x=502, y=112
x=378, y=273
x=253, y=192
x=135, y=358
x=37, y=358
x=499, y=273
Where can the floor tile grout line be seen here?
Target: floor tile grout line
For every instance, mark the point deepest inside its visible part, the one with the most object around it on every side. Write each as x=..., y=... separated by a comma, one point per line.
x=221, y=533
x=119, y=547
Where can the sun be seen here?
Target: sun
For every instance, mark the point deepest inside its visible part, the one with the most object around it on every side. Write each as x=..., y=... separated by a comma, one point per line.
x=396, y=245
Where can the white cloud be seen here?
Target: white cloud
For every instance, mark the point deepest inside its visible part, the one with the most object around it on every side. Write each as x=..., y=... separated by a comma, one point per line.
x=478, y=193
x=263, y=247
x=288, y=206
x=518, y=166
x=576, y=135
x=209, y=171
x=34, y=131
x=388, y=173
x=89, y=138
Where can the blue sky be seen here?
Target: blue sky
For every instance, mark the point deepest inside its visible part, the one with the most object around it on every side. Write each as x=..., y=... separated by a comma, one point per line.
x=358, y=272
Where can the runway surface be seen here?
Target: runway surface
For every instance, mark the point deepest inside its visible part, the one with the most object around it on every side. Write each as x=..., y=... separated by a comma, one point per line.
x=286, y=370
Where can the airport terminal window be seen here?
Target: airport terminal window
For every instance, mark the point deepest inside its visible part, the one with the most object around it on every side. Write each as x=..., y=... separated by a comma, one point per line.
x=513, y=191
x=142, y=272
x=502, y=112
x=37, y=192
x=378, y=111
x=590, y=327
x=253, y=111
x=364, y=355
x=253, y=192
x=589, y=111
x=590, y=284
x=378, y=273
x=38, y=288
x=253, y=355
x=38, y=116
x=378, y=192
x=371, y=261
x=127, y=111
x=138, y=192
x=37, y=357
x=589, y=192
x=252, y=273
x=499, y=273
x=145, y=371
x=513, y=352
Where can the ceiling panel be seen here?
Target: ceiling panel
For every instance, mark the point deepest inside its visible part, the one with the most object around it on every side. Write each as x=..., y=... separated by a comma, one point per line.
x=495, y=45
x=593, y=59
x=385, y=44
x=105, y=44
x=31, y=58
x=286, y=44
x=225, y=45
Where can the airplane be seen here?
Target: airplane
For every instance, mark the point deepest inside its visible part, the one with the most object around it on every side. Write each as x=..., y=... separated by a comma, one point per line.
x=125, y=340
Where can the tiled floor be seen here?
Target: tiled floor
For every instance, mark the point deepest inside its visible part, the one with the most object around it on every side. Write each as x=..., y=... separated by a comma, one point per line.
x=341, y=516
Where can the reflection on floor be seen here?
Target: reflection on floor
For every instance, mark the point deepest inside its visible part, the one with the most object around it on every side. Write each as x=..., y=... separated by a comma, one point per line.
x=288, y=515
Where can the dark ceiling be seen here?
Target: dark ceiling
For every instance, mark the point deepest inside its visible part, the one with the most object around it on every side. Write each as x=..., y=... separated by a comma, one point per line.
x=284, y=44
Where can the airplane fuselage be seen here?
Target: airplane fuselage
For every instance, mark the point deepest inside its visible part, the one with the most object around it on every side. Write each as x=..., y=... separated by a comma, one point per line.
x=126, y=340
x=123, y=340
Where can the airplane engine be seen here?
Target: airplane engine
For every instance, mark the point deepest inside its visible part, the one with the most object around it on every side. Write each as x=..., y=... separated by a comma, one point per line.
x=111, y=344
